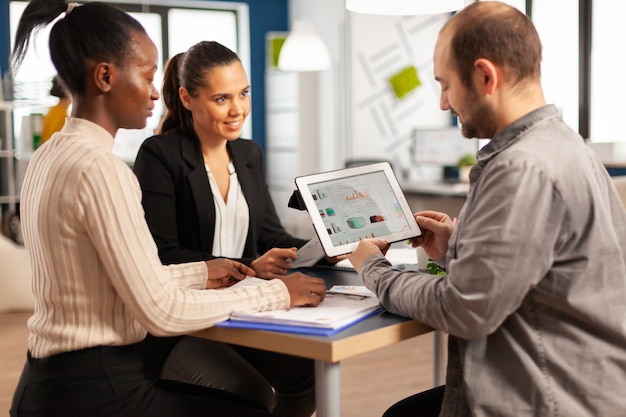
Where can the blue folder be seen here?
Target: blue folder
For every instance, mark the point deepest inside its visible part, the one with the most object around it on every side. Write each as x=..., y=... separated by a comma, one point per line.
x=316, y=331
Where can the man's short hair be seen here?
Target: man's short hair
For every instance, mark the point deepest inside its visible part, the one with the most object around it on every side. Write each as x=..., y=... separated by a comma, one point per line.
x=497, y=32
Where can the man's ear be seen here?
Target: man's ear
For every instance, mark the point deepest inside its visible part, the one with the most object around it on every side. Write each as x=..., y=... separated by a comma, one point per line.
x=103, y=73
x=486, y=76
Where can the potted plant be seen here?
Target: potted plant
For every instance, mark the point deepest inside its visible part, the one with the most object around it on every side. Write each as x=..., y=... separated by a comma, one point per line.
x=465, y=164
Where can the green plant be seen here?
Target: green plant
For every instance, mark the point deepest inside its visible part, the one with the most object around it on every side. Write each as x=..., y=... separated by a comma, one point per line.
x=467, y=160
x=434, y=269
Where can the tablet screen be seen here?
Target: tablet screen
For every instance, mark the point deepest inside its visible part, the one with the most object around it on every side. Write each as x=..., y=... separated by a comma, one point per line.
x=356, y=203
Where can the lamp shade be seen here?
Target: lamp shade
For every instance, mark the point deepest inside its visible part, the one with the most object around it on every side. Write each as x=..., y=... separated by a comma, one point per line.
x=403, y=7
x=303, y=50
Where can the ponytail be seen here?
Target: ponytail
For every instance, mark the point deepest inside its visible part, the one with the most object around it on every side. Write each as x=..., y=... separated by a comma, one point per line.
x=38, y=14
x=176, y=115
x=92, y=31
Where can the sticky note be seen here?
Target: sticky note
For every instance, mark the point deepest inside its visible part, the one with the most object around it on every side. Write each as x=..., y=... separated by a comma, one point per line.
x=405, y=81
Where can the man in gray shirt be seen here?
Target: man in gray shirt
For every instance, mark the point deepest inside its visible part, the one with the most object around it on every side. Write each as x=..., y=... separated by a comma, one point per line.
x=534, y=300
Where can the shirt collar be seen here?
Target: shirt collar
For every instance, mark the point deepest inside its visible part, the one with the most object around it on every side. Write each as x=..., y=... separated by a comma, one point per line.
x=513, y=132
x=87, y=129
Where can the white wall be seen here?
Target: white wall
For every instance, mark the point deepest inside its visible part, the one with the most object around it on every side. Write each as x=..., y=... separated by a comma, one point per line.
x=383, y=125
x=324, y=107
x=339, y=112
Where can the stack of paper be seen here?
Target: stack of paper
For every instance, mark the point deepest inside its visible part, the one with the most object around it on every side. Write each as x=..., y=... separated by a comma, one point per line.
x=338, y=310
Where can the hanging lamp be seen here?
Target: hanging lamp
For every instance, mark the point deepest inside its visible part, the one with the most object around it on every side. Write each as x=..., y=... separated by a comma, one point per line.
x=403, y=7
x=303, y=49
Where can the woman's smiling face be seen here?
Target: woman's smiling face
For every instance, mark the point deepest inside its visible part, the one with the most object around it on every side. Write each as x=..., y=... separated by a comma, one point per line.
x=220, y=108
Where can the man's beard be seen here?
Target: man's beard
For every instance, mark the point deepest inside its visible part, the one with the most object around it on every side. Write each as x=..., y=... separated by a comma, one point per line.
x=480, y=121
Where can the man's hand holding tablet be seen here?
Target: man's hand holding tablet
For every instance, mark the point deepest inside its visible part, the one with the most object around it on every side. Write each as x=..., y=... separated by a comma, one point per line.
x=352, y=204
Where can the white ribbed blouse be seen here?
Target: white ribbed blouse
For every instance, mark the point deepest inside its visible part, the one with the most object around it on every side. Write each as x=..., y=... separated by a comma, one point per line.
x=96, y=275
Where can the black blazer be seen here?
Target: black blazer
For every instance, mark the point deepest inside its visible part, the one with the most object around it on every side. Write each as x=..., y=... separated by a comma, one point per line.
x=178, y=201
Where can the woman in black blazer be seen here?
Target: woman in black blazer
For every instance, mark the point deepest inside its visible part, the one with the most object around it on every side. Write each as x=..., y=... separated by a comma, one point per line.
x=175, y=186
x=205, y=196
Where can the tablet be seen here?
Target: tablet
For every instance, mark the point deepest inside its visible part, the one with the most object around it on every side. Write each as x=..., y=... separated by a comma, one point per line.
x=351, y=204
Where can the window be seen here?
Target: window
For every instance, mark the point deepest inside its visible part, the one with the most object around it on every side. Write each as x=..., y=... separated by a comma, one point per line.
x=607, y=66
x=173, y=26
x=560, y=65
x=559, y=69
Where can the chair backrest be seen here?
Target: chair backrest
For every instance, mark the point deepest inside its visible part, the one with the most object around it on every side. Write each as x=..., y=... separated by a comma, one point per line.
x=620, y=184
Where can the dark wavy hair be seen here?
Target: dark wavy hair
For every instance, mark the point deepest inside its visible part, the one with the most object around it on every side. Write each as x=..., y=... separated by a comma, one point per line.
x=91, y=31
x=189, y=70
x=497, y=32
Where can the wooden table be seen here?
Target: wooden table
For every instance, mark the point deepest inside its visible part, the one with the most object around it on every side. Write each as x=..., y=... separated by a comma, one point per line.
x=380, y=330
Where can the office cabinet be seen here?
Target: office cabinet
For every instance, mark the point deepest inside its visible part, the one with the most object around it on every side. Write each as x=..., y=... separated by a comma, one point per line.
x=8, y=189
x=8, y=186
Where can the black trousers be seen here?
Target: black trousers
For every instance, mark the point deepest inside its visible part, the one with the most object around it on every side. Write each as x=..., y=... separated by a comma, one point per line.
x=283, y=384
x=424, y=404
x=110, y=381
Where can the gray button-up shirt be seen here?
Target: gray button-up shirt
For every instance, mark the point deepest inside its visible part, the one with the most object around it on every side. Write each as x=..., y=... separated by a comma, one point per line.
x=534, y=299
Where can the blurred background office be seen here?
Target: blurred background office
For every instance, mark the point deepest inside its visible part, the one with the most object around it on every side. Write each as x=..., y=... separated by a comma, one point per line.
x=54, y=118
x=372, y=98
x=376, y=97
